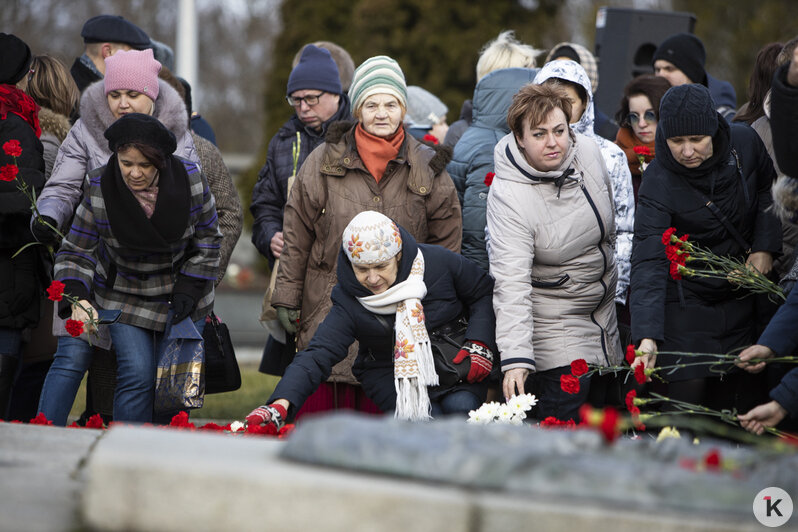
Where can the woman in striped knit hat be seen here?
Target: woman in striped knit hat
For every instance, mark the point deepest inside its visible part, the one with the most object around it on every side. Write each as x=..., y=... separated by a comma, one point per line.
x=371, y=164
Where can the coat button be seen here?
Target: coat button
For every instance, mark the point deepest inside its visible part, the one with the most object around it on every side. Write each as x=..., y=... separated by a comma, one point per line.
x=376, y=199
x=423, y=190
x=347, y=160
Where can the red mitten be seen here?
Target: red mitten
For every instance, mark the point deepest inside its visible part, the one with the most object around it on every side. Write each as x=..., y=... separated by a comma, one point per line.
x=273, y=413
x=481, y=360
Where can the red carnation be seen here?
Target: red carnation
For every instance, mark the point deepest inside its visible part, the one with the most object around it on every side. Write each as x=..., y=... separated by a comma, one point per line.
x=180, y=420
x=95, y=422
x=8, y=172
x=630, y=354
x=212, y=427
x=40, y=419
x=430, y=138
x=12, y=148
x=569, y=384
x=630, y=399
x=712, y=460
x=642, y=150
x=684, y=237
x=489, y=178
x=286, y=431
x=578, y=367
x=56, y=291
x=666, y=236
x=610, y=425
x=267, y=430
x=640, y=374
x=74, y=327
x=552, y=421
x=674, y=270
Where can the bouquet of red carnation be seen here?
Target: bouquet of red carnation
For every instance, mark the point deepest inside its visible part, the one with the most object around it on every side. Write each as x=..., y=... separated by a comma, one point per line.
x=642, y=152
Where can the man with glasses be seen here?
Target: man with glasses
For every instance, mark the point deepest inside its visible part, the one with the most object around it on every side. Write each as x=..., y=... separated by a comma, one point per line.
x=314, y=91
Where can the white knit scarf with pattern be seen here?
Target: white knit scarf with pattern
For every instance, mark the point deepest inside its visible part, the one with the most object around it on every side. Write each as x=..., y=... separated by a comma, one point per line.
x=413, y=366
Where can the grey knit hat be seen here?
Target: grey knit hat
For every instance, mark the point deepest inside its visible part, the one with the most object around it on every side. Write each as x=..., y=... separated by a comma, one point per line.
x=424, y=109
x=687, y=110
x=377, y=75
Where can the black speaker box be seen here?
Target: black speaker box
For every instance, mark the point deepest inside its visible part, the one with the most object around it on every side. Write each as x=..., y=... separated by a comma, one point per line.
x=626, y=40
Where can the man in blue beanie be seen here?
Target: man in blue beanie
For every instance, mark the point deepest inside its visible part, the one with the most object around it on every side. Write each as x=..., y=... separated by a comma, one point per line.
x=314, y=91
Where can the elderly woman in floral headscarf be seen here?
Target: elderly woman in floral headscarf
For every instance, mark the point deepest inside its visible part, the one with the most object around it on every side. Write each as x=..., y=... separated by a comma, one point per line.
x=392, y=293
x=373, y=164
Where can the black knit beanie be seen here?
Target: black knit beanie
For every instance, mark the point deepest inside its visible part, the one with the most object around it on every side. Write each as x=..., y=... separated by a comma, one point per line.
x=15, y=59
x=686, y=52
x=687, y=110
x=145, y=129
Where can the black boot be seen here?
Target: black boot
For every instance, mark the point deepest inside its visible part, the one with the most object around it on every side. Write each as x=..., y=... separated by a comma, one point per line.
x=8, y=370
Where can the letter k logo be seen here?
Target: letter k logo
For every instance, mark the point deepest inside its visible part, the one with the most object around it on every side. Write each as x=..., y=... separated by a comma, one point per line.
x=772, y=506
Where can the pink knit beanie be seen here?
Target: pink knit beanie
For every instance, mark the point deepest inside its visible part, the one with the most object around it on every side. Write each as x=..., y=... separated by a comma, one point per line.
x=134, y=70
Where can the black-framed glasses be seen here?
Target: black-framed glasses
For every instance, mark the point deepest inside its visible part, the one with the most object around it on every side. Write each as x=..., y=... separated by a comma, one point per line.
x=310, y=99
x=634, y=118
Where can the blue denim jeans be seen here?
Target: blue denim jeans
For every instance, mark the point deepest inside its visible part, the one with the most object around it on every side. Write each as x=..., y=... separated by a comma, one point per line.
x=136, y=350
x=455, y=402
x=10, y=342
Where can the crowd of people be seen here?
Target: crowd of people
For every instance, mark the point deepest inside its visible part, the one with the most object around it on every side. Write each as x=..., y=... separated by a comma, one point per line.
x=419, y=269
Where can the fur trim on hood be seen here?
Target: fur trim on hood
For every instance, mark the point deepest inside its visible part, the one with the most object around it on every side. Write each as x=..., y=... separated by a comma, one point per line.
x=785, y=198
x=96, y=115
x=54, y=123
x=438, y=162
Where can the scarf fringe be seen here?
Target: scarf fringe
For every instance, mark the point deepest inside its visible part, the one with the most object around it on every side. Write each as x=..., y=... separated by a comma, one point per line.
x=412, y=400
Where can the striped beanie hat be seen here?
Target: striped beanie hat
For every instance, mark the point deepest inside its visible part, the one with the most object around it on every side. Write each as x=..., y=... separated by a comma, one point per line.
x=377, y=75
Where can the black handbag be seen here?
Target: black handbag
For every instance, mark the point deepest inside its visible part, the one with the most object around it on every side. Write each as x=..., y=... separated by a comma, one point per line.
x=221, y=367
x=447, y=340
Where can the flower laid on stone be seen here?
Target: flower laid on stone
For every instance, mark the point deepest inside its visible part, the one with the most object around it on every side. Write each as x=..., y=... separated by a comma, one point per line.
x=512, y=412
x=680, y=250
x=668, y=432
x=552, y=421
x=180, y=422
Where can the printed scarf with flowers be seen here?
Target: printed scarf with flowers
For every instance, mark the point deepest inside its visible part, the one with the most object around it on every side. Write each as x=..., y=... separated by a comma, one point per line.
x=413, y=366
x=13, y=100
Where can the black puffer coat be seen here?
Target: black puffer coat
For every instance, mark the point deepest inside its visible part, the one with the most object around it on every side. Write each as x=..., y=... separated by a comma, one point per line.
x=701, y=315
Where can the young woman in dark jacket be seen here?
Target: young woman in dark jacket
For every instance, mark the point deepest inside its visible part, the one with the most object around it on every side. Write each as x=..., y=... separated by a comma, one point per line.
x=20, y=277
x=700, y=159
x=391, y=291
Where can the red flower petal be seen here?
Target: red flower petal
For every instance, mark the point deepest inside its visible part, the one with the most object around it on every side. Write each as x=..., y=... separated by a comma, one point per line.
x=630, y=397
x=666, y=236
x=712, y=460
x=12, y=148
x=55, y=292
x=95, y=422
x=578, y=367
x=489, y=178
x=610, y=425
x=74, y=327
x=40, y=419
x=8, y=172
x=630, y=353
x=674, y=271
x=430, y=138
x=569, y=384
x=640, y=374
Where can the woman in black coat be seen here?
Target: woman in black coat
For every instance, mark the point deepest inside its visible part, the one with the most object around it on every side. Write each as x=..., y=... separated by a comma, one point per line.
x=711, y=181
x=391, y=291
x=21, y=276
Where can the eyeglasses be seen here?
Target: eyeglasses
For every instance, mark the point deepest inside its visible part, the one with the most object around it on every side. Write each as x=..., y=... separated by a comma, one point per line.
x=310, y=99
x=634, y=118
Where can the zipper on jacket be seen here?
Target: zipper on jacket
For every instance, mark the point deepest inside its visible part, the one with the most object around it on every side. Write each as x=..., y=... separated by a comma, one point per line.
x=603, y=271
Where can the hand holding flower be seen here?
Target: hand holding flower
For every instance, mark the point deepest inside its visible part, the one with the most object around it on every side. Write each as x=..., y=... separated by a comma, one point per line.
x=761, y=260
x=649, y=360
x=762, y=417
x=84, y=312
x=754, y=353
x=514, y=382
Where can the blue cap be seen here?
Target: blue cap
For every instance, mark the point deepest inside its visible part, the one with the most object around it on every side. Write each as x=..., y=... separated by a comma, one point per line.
x=113, y=28
x=316, y=70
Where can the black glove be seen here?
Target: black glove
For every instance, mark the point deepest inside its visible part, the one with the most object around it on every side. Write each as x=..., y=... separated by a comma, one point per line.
x=182, y=304
x=43, y=233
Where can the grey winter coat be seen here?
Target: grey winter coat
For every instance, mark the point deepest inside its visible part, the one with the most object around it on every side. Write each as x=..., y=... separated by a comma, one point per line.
x=86, y=149
x=615, y=162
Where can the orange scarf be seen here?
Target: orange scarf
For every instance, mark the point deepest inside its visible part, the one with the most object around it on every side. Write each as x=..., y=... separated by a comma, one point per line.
x=626, y=140
x=377, y=152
